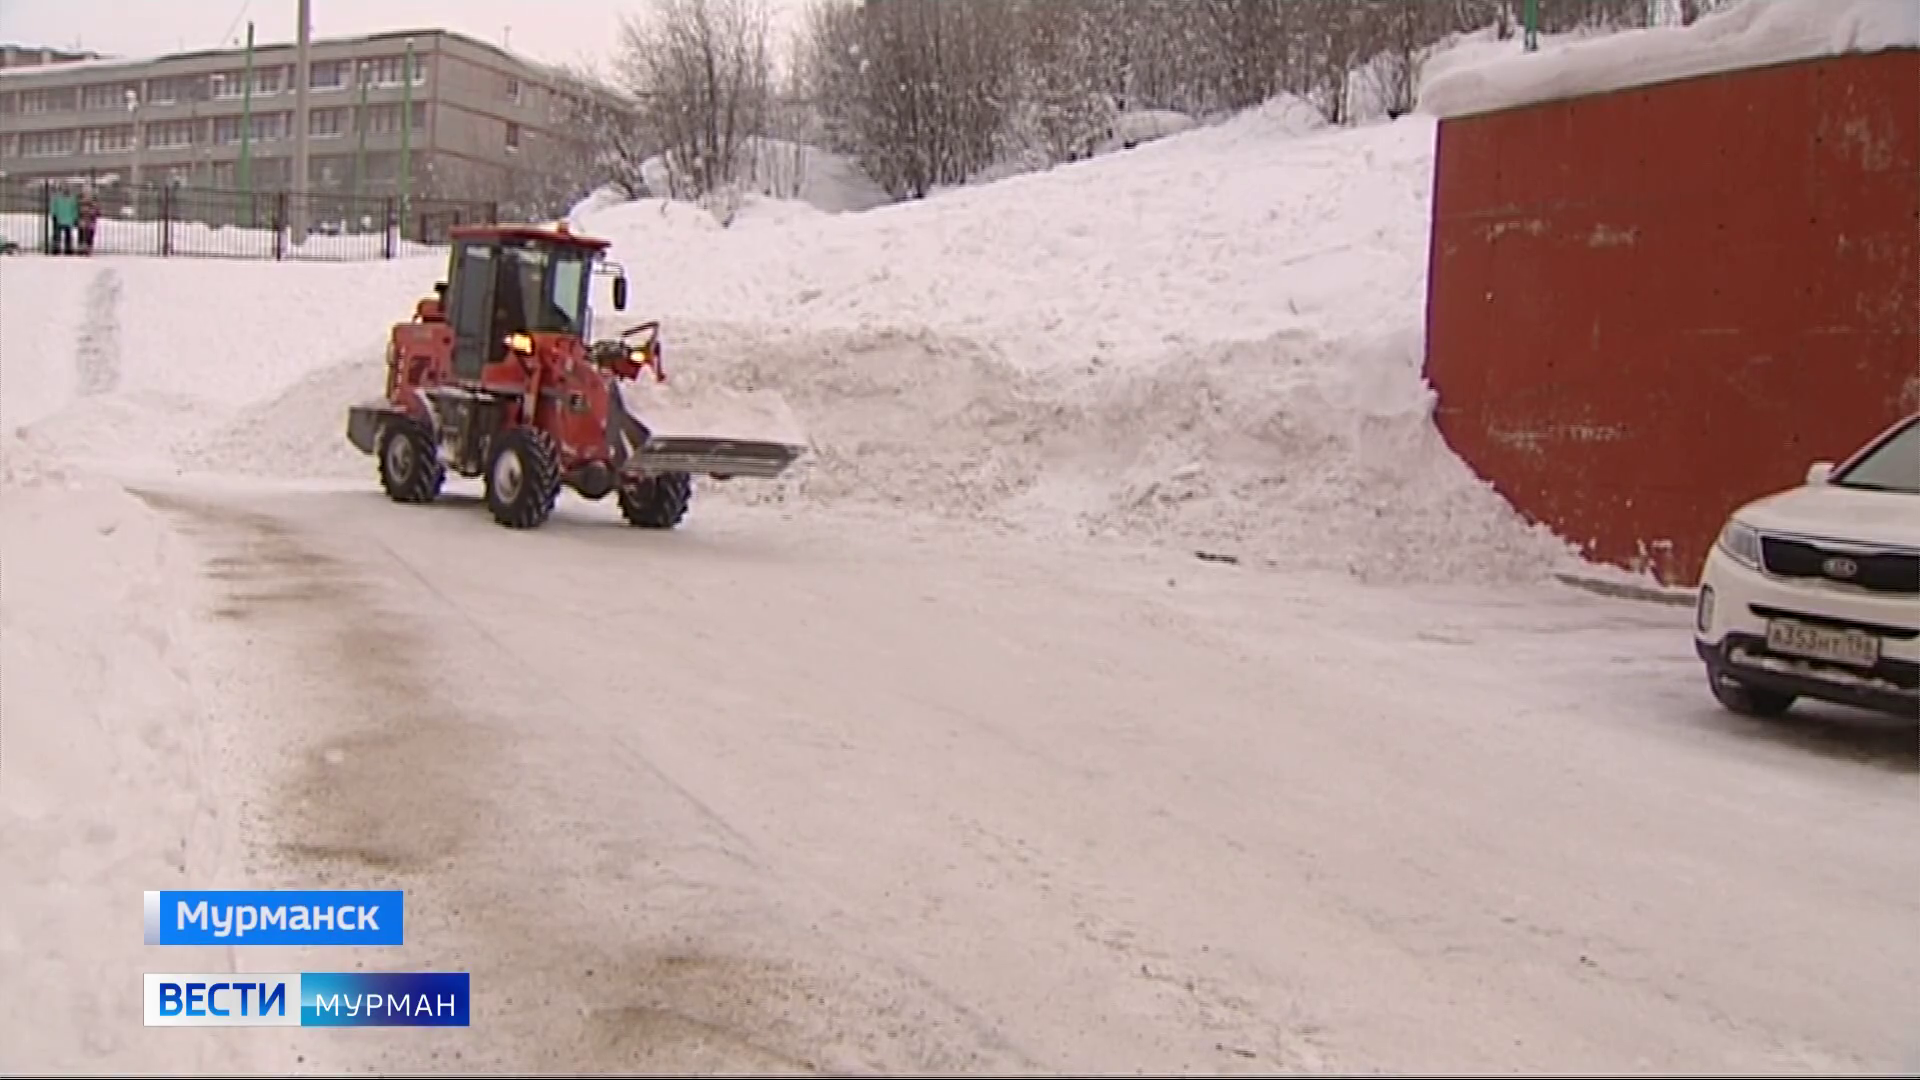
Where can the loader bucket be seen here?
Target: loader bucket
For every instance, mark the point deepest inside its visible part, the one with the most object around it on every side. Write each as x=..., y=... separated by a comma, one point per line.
x=720, y=458
x=363, y=425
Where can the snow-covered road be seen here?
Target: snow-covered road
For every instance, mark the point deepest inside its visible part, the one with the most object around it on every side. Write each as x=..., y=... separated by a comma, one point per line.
x=850, y=793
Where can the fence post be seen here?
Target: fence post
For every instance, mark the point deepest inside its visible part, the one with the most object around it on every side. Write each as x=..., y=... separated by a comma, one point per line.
x=280, y=225
x=46, y=218
x=166, y=219
x=391, y=222
x=493, y=213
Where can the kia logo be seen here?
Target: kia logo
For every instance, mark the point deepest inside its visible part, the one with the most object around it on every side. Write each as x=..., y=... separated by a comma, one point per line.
x=1839, y=567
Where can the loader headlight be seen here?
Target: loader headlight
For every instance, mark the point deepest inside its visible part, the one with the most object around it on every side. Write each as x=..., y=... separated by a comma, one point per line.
x=520, y=343
x=1741, y=543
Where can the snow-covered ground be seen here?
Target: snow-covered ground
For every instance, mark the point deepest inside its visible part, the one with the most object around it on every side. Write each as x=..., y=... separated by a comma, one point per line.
x=947, y=754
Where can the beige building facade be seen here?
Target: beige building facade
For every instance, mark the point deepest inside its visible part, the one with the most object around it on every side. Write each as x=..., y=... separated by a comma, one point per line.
x=486, y=125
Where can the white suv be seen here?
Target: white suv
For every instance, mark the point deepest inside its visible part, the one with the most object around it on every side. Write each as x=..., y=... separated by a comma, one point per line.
x=1815, y=592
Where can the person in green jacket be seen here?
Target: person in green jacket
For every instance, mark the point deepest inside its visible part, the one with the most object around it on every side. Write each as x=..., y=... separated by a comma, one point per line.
x=65, y=211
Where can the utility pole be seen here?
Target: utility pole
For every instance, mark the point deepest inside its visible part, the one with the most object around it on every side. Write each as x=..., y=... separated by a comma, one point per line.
x=406, y=141
x=301, y=78
x=365, y=76
x=246, y=126
x=133, y=114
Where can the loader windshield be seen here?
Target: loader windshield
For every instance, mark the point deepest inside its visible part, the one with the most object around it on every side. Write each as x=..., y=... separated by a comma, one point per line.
x=542, y=289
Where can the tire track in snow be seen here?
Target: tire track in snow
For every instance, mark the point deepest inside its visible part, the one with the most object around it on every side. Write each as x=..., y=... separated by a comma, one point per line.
x=96, y=356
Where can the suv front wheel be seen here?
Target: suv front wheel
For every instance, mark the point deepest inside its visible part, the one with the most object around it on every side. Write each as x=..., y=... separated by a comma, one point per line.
x=1747, y=700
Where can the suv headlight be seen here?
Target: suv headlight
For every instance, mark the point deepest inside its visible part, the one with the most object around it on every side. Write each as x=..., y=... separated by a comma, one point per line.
x=1741, y=543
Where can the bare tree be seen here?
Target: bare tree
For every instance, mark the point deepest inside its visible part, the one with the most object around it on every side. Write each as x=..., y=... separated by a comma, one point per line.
x=1068, y=84
x=918, y=90
x=599, y=135
x=703, y=71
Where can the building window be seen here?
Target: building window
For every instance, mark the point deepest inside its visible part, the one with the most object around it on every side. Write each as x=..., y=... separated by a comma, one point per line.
x=387, y=71
x=47, y=143
x=163, y=91
x=112, y=140
x=9, y=145
x=229, y=85
x=513, y=90
x=513, y=136
x=385, y=119
x=34, y=102
x=326, y=123
x=9, y=104
x=111, y=97
x=328, y=75
x=172, y=134
x=271, y=126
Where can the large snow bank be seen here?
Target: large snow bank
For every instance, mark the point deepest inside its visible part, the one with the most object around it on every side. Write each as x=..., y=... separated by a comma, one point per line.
x=1294, y=450
x=1211, y=340
x=1749, y=34
x=107, y=789
x=105, y=777
x=1229, y=233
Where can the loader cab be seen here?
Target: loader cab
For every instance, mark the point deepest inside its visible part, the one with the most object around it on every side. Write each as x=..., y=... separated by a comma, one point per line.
x=503, y=281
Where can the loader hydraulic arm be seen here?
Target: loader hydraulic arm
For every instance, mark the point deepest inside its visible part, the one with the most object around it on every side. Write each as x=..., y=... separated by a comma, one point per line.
x=627, y=361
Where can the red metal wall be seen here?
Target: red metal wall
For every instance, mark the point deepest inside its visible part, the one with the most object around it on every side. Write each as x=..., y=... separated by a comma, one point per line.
x=1649, y=306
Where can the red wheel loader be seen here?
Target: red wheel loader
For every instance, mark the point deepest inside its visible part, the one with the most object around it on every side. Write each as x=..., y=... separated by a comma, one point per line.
x=495, y=377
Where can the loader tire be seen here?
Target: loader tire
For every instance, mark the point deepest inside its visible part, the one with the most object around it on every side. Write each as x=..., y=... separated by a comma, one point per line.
x=410, y=469
x=523, y=478
x=658, y=502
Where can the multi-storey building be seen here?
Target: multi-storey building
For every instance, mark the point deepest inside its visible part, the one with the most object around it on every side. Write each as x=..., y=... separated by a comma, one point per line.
x=485, y=124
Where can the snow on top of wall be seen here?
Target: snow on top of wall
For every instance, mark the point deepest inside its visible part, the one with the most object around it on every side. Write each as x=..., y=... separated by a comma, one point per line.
x=1750, y=34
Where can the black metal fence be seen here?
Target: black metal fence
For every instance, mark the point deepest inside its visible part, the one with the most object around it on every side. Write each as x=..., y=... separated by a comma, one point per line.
x=171, y=220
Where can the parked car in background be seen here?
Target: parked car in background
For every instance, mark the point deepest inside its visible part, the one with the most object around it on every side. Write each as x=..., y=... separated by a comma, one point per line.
x=1814, y=592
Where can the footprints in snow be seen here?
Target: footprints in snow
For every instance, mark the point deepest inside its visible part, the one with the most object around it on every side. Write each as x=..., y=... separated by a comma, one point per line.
x=96, y=356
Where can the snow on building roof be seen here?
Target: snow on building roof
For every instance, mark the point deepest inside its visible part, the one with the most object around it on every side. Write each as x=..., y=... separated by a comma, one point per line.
x=1750, y=34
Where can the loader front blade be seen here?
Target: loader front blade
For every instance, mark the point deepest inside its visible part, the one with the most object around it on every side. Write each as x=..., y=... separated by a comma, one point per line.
x=721, y=458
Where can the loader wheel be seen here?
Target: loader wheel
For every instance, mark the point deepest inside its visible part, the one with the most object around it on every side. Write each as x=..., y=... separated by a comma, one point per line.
x=410, y=469
x=523, y=478
x=657, y=502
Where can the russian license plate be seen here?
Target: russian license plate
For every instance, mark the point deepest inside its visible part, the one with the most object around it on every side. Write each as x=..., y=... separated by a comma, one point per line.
x=1819, y=643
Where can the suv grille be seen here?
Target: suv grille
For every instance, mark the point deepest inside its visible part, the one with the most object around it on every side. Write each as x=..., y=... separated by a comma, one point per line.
x=1882, y=571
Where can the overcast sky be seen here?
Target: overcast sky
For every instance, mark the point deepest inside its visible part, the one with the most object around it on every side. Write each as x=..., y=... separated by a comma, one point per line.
x=558, y=31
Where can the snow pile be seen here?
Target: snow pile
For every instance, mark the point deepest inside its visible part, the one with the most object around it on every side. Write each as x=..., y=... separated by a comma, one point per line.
x=1231, y=232
x=105, y=791
x=1210, y=340
x=1293, y=450
x=1750, y=34
x=301, y=432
